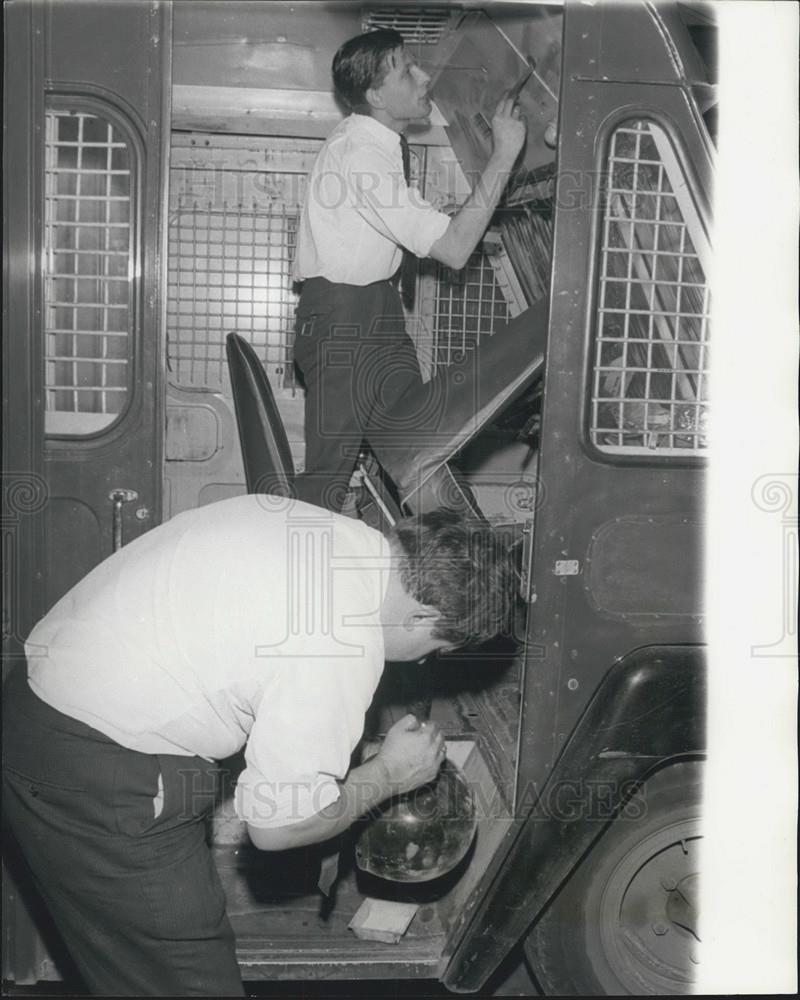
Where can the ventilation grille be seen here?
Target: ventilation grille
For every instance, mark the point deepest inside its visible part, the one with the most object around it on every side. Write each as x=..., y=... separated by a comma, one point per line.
x=423, y=26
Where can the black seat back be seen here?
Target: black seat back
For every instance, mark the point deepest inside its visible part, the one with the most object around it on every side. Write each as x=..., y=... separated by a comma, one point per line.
x=268, y=463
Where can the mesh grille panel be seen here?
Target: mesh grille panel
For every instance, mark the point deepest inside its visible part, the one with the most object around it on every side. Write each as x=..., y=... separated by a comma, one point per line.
x=234, y=211
x=650, y=380
x=88, y=246
x=230, y=269
x=469, y=303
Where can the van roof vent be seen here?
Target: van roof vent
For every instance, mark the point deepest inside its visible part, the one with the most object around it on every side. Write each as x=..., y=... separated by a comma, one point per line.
x=416, y=25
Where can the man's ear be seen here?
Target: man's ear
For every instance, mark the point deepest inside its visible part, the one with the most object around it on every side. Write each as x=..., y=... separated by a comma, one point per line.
x=374, y=99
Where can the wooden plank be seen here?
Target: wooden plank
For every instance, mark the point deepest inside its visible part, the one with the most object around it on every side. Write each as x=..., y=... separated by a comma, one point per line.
x=494, y=821
x=248, y=110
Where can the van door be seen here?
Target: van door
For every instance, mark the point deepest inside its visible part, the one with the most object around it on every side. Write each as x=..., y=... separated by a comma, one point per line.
x=618, y=534
x=102, y=127
x=84, y=117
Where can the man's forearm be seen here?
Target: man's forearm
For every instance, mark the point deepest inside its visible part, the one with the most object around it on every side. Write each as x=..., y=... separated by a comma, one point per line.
x=364, y=788
x=470, y=222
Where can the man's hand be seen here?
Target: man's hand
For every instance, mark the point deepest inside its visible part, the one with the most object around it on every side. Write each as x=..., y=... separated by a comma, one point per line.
x=467, y=226
x=410, y=756
x=412, y=753
x=508, y=130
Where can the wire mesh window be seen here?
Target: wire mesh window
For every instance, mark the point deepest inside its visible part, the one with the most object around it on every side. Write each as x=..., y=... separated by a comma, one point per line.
x=88, y=271
x=230, y=269
x=651, y=356
x=468, y=305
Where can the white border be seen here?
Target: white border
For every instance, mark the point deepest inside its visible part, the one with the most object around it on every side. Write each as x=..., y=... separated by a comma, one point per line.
x=749, y=903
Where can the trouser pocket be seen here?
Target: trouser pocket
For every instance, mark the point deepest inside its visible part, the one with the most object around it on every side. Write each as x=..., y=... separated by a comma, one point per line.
x=181, y=790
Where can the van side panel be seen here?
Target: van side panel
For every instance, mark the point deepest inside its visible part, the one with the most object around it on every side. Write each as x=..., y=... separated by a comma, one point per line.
x=618, y=535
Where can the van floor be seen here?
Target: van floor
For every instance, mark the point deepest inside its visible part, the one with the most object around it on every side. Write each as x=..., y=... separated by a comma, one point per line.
x=513, y=981
x=281, y=917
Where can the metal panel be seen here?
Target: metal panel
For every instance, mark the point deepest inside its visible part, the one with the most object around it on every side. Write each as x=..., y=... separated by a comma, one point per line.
x=570, y=644
x=585, y=489
x=648, y=709
x=629, y=577
x=101, y=44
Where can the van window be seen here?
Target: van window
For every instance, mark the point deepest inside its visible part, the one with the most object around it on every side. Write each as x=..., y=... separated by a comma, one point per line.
x=88, y=270
x=649, y=387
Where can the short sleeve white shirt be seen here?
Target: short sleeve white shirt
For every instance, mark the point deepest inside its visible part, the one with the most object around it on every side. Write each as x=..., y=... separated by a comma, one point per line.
x=359, y=213
x=254, y=620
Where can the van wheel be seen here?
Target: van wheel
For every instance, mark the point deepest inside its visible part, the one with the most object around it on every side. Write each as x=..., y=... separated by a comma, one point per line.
x=626, y=922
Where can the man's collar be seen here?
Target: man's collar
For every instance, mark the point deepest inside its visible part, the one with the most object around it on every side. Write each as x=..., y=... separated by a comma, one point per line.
x=382, y=133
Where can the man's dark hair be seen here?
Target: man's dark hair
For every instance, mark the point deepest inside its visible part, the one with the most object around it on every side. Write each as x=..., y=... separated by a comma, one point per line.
x=361, y=63
x=461, y=567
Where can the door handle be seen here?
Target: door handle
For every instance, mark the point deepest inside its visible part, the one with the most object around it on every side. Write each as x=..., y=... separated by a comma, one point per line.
x=118, y=497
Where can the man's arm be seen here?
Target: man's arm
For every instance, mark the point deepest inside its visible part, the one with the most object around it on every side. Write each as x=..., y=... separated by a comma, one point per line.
x=409, y=757
x=469, y=223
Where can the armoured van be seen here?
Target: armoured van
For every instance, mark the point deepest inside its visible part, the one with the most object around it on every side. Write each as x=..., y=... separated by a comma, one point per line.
x=156, y=158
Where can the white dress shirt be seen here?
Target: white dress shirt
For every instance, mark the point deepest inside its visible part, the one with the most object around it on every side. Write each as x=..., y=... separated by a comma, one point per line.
x=254, y=620
x=359, y=213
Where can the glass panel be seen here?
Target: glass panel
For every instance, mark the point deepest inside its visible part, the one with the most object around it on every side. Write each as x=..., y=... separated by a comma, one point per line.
x=88, y=295
x=650, y=357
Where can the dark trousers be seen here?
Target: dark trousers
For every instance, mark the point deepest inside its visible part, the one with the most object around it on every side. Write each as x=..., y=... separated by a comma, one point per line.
x=137, y=899
x=356, y=360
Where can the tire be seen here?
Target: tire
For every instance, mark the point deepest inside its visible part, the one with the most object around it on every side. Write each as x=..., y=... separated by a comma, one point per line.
x=625, y=923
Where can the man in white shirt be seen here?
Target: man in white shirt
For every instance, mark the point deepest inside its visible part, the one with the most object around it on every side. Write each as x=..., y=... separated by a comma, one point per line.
x=255, y=621
x=359, y=216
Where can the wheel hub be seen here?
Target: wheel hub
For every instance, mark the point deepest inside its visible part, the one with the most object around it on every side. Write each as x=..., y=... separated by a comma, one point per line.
x=682, y=905
x=654, y=897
